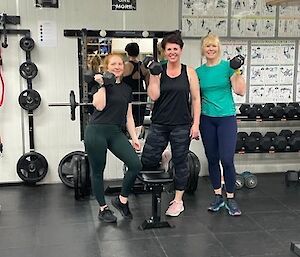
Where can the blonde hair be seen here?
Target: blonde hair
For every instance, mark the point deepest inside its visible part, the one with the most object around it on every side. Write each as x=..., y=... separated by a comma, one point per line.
x=210, y=39
x=107, y=60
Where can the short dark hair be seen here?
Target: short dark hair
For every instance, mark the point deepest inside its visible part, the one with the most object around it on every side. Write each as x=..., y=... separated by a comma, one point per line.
x=172, y=37
x=132, y=49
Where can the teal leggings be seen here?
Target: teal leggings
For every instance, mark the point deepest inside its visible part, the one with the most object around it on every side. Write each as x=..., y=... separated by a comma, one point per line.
x=100, y=137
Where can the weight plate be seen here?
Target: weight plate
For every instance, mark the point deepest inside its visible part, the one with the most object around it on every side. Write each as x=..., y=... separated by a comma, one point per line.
x=76, y=177
x=32, y=167
x=29, y=99
x=65, y=168
x=72, y=104
x=27, y=43
x=194, y=167
x=28, y=70
x=239, y=182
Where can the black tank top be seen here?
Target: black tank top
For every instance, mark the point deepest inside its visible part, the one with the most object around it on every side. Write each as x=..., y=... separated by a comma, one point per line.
x=135, y=84
x=173, y=105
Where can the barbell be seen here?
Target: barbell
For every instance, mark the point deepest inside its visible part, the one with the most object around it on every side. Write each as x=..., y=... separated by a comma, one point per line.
x=73, y=104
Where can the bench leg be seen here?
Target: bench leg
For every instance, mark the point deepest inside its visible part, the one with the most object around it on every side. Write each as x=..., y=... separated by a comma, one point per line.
x=155, y=220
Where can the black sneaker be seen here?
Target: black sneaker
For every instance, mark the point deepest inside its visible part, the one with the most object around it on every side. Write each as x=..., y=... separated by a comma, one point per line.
x=107, y=215
x=122, y=208
x=232, y=207
x=216, y=204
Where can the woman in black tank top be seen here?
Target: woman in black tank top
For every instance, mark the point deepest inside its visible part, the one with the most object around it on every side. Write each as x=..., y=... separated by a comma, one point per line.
x=137, y=77
x=174, y=92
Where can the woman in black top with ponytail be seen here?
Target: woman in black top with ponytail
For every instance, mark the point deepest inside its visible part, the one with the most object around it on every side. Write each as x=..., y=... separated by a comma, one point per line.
x=137, y=77
x=175, y=116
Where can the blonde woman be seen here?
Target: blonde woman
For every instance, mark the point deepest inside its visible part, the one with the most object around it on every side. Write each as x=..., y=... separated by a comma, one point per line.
x=218, y=125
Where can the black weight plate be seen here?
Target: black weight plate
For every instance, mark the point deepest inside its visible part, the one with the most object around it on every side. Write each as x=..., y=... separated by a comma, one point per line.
x=65, y=168
x=72, y=104
x=29, y=99
x=83, y=177
x=27, y=43
x=195, y=167
x=77, y=178
x=32, y=167
x=28, y=70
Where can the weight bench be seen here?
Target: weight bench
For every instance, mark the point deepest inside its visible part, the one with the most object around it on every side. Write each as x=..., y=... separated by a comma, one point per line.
x=155, y=181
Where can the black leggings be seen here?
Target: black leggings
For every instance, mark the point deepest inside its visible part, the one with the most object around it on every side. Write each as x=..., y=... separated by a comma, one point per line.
x=219, y=140
x=156, y=142
x=100, y=137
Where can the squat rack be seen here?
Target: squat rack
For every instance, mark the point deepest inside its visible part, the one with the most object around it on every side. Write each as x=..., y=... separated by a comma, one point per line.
x=82, y=42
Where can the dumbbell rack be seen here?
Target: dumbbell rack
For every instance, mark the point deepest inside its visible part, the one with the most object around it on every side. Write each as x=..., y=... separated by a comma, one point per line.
x=258, y=119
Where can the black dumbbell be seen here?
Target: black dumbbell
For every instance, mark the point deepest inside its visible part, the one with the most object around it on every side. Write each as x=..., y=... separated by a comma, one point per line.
x=265, y=111
x=249, y=179
x=252, y=111
x=108, y=78
x=277, y=111
x=292, y=176
x=290, y=111
x=236, y=62
x=154, y=67
x=239, y=181
x=240, y=142
x=294, y=143
x=243, y=109
x=286, y=133
x=252, y=141
x=280, y=143
x=266, y=142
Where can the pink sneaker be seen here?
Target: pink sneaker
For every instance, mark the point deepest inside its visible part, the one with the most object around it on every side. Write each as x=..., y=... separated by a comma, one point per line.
x=175, y=208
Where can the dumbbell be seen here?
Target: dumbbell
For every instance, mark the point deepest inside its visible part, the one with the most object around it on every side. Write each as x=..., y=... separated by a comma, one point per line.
x=250, y=179
x=253, y=111
x=243, y=109
x=108, y=78
x=290, y=111
x=239, y=181
x=277, y=111
x=252, y=142
x=154, y=67
x=292, y=176
x=280, y=143
x=265, y=111
x=294, y=141
x=266, y=142
x=240, y=141
x=236, y=62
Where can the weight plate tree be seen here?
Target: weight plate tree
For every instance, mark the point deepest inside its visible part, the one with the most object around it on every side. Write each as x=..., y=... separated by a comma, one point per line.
x=32, y=167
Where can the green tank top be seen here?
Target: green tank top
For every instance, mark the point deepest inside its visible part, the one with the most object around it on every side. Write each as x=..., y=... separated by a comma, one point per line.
x=216, y=89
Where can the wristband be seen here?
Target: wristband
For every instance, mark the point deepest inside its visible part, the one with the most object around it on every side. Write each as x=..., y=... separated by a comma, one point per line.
x=239, y=72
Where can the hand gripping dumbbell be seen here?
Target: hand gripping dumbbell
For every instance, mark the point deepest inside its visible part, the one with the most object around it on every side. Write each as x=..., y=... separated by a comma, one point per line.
x=108, y=78
x=154, y=67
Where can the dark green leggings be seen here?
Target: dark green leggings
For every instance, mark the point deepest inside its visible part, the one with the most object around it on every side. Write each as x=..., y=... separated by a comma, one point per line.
x=100, y=137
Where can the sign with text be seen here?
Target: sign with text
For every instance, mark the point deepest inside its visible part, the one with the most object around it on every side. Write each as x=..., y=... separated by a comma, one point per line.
x=123, y=5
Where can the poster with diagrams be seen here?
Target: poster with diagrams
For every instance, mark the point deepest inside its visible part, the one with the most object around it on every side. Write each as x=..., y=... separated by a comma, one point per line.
x=252, y=18
x=231, y=48
x=298, y=80
x=271, y=71
x=289, y=21
x=202, y=16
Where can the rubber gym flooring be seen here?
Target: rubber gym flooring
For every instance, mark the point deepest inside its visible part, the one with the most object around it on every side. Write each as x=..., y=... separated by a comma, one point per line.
x=46, y=221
